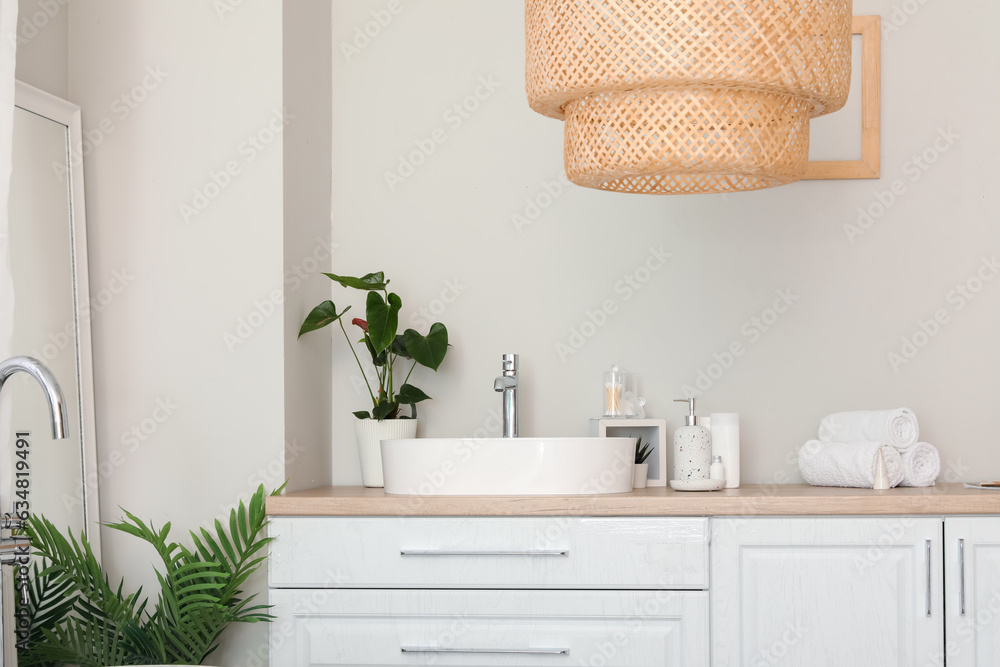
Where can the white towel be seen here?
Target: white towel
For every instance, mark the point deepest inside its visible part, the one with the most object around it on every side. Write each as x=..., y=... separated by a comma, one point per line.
x=848, y=463
x=892, y=427
x=921, y=465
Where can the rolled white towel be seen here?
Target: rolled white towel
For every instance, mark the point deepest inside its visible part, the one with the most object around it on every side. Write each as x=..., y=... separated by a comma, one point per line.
x=848, y=463
x=921, y=465
x=892, y=427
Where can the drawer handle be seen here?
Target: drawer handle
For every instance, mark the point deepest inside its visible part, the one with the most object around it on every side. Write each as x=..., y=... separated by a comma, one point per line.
x=413, y=552
x=961, y=577
x=927, y=552
x=520, y=651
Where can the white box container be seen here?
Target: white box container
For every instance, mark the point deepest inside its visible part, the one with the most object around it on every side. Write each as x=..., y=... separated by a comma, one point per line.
x=726, y=443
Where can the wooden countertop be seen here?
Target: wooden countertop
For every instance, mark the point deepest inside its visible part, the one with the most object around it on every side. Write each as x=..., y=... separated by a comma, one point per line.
x=750, y=499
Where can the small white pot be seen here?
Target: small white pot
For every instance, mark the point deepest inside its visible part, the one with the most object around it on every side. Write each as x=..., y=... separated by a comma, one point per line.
x=639, y=473
x=370, y=434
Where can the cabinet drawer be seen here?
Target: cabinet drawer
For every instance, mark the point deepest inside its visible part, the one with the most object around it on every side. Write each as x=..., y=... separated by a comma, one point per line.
x=471, y=628
x=523, y=552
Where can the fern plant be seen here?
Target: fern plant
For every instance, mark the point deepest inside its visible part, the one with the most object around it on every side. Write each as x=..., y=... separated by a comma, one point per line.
x=79, y=618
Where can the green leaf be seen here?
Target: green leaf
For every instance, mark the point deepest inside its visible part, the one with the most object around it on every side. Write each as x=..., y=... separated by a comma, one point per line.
x=428, y=350
x=383, y=319
x=398, y=347
x=370, y=281
x=378, y=358
x=642, y=451
x=322, y=315
x=408, y=394
x=384, y=409
x=361, y=414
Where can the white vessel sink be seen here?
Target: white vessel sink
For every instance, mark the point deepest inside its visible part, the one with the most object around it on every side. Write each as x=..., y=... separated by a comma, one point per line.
x=507, y=466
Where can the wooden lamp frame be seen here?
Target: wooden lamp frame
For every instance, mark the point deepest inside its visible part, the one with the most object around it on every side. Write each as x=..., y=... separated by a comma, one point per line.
x=869, y=166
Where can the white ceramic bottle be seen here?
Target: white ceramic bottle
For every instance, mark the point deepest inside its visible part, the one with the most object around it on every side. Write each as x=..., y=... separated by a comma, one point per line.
x=692, y=447
x=726, y=443
x=718, y=471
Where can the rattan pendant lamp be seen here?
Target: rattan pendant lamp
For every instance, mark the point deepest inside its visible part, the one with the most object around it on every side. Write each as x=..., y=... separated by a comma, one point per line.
x=687, y=96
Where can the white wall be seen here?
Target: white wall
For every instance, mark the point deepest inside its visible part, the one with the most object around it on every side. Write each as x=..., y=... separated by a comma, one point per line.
x=525, y=290
x=43, y=45
x=308, y=246
x=172, y=360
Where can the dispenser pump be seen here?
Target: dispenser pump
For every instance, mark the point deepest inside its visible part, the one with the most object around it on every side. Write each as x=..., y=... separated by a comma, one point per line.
x=690, y=419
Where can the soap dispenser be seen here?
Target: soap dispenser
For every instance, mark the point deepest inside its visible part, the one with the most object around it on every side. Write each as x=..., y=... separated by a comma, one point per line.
x=692, y=447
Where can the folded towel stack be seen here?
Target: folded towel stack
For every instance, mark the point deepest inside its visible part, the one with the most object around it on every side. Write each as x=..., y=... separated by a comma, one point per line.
x=849, y=443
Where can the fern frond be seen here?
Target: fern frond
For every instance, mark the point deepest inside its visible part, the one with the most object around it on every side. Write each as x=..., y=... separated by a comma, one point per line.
x=80, y=618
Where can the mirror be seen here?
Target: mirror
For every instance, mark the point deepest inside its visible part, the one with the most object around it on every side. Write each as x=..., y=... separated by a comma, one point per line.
x=48, y=260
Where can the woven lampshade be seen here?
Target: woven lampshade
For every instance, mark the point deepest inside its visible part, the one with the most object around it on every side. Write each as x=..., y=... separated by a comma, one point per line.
x=687, y=96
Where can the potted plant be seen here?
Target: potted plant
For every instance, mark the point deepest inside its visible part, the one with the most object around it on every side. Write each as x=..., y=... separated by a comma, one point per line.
x=77, y=617
x=385, y=347
x=641, y=469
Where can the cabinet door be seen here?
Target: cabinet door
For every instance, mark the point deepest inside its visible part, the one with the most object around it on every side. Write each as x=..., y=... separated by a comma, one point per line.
x=826, y=592
x=972, y=576
x=473, y=628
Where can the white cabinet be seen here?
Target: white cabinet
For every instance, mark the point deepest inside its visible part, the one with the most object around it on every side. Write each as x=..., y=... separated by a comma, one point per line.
x=477, y=627
x=972, y=573
x=827, y=592
x=513, y=591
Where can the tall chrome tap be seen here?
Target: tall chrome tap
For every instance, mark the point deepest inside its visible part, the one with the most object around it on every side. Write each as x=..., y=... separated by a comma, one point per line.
x=507, y=384
x=14, y=549
x=44, y=377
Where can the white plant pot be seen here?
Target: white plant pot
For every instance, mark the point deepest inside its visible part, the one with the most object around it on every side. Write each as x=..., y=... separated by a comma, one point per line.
x=639, y=473
x=370, y=434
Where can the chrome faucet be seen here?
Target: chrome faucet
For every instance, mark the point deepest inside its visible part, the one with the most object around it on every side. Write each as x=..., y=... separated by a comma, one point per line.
x=14, y=551
x=507, y=383
x=44, y=377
